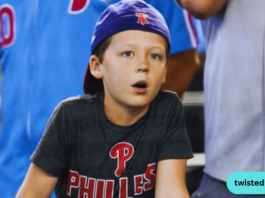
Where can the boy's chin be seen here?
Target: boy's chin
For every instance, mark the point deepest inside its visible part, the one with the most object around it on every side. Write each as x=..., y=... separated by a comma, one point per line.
x=139, y=103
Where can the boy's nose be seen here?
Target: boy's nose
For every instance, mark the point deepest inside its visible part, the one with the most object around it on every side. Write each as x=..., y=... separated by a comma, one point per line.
x=142, y=66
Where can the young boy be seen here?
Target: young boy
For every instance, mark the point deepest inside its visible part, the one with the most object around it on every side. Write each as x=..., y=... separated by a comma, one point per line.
x=125, y=138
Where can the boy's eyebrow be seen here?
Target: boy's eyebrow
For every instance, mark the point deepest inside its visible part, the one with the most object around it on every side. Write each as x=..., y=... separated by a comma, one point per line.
x=153, y=45
x=129, y=43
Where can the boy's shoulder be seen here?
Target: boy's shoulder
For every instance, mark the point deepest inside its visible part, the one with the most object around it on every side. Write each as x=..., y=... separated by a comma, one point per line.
x=76, y=99
x=167, y=102
x=81, y=101
x=167, y=96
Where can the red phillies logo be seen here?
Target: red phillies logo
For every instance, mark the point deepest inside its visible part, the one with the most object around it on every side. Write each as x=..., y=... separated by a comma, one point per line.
x=88, y=187
x=7, y=25
x=142, y=18
x=78, y=6
x=123, y=152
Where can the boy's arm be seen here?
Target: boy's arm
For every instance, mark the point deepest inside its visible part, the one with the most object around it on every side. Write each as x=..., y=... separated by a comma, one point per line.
x=170, y=179
x=37, y=184
x=202, y=9
x=181, y=69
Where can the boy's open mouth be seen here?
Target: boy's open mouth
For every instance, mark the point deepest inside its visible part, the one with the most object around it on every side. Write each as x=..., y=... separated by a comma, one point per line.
x=140, y=85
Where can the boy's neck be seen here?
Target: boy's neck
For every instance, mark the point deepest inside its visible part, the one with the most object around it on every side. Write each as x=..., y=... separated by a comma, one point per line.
x=123, y=116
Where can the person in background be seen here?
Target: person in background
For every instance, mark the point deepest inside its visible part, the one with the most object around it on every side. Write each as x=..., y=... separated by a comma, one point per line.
x=44, y=53
x=234, y=90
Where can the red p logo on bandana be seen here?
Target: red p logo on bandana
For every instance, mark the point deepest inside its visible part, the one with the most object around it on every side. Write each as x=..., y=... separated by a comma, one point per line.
x=142, y=18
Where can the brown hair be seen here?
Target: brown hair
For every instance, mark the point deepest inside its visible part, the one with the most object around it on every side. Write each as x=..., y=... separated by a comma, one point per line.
x=101, y=48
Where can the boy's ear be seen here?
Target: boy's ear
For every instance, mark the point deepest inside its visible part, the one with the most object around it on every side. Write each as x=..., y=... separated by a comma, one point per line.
x=95, y=69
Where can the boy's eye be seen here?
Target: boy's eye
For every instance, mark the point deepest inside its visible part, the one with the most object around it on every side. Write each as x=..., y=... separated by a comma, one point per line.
x=127, y=54
x=155, y=56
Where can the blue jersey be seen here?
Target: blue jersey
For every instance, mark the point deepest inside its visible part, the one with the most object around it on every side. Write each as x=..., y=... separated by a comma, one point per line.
x=45, y=49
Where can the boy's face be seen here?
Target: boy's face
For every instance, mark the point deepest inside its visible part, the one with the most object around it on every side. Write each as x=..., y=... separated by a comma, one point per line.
x=133, y=68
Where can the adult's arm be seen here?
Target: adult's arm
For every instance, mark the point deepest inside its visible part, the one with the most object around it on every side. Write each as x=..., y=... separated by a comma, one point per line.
x=37, y=184
x=202, y=9
x=181, y=69
x=170, y=179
